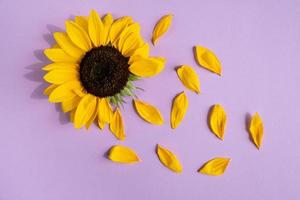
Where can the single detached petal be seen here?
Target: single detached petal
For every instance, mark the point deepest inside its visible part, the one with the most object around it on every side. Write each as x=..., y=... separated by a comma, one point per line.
x=168, y=159
x=105, y=112
x=123, y=154
x=96, y=28
x=147, y=67
x=217, y=120
x=256, y=130
x=215, y=167
x=189, y=78
x=148, y=112
x=179, y=108
x=60, y=76
x=78, y=36
x=117, y=27
x=61, y=66
x=85, y=110
x=59, y=55
x=207, y=59
x=161, y=27
x=67, y=45
x=117, y=125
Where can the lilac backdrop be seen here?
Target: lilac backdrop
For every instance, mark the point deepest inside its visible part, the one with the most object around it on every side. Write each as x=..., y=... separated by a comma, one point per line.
x=42, y=157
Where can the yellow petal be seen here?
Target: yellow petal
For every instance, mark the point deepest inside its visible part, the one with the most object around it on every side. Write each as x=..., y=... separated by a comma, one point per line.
x=101, y=124
x=85, y=110
x=61, y=66
x=179, y=108
x=147, y=67
x=49, y=89
x=60, y=76
x=117, y=125
x=95, y=28
x=131, y=29
x=118, y=26
x=189, y=78
x=105, y=112
x=131, y=44
x=148, y=112
x=70, y=104
x=67, y=45
x=142, y=51
x=256, y=130
x=107, y=22
x=161, y=27
x=215, y=167
x=72, y=115
x=59, y=55
x=82, y=21
x=92, y=118
x=217, y=121
x=207, y=59
x=78, y=36
x=122, y=154
x=64, y=92
x=168, y=159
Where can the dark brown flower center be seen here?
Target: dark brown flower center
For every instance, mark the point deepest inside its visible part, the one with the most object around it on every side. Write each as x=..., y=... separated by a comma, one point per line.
x=104, y=71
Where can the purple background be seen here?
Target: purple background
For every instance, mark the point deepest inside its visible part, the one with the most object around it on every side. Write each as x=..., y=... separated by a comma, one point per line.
x=42, y=157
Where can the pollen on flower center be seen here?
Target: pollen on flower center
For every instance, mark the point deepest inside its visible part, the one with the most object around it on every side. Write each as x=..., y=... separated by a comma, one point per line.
x=104, y=71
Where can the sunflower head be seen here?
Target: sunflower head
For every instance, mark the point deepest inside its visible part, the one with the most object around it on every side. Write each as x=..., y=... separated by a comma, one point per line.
x=95, y=64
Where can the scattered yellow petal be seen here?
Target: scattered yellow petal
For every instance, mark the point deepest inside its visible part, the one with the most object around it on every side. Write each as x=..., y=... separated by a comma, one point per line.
x=117, y=125
x=189, y=78
x=147, y=67
x=123, y=154
x=85, y=110
x=207, y=59
x=256, y=130
x=215, y=167
x=105, y=112
x=148, y=112
x=179, y=108
x=217, y=121
x=78, y=36
x=161, y=27
x=96, y=28
x=168, y=159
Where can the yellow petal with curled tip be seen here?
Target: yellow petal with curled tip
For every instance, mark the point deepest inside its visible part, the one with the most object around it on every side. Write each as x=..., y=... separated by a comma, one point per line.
x=123, y=154
x=61, y=66
x=207, y=59
x=148, y=112
x=96, y=28
x=147, y=67
x=105, y=112
x=256, y=130
x=85, y=110
x=60, y=76
x=161, y=27
x=117, y=27
x=179, y=108
x=168, y=159
x=107, y=22
x=217, y=120
x=117, y=125
x=49, y=89
x=189, y=78
x=64, y=91
x=67, y=45
x=59, y=55
x=78, y=36
x=215, y=167
x=82, y=21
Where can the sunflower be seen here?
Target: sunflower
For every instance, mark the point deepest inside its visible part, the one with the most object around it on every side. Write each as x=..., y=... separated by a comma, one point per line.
x=94, y=66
